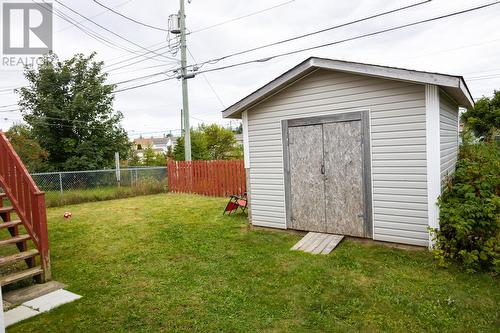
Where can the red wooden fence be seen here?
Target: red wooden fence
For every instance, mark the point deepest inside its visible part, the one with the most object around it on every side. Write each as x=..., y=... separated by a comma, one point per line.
x=213, y=178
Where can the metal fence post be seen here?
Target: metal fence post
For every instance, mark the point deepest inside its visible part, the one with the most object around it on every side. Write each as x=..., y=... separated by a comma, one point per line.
x=60, y=185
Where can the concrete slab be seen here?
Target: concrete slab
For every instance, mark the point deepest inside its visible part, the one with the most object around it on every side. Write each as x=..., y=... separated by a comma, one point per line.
x=22, y=295
x=52, y=300
x=17, y=314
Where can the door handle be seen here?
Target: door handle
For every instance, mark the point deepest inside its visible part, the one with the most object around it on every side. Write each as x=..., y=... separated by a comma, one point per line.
x=322, y=169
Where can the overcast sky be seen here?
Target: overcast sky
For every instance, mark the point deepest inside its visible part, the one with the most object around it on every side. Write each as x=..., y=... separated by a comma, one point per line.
x=467, y=45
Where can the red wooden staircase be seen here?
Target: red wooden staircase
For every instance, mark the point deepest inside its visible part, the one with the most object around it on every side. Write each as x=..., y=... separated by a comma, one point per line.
x=22, y=214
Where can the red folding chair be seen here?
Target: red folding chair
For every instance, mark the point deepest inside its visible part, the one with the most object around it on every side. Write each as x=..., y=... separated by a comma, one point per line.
x=236, y=202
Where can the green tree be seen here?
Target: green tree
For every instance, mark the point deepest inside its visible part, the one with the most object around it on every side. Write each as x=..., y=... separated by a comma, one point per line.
x=221, y=141
x=484, y=118
x=30, y=152
x=133, y=159
x=152, y=158
x=70, y=110
x=210, y=142
x=199, y=150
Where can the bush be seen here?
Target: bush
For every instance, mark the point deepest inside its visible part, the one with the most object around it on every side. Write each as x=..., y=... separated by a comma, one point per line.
x=470, y=211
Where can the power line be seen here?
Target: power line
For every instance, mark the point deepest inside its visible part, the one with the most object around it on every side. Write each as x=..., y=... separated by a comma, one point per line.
x=97, y=15
x=207, y=81
x=315, y=32
x=85, y=30
x=480, y=78
x=350, y=38
x=129, y=18
x=126, y=55
x=112, y=32
x=143, y=85
x=135, y=62
x=241, y=17
x=8, y=106
x=261, y=60
x=313, y=47
x=145, y=76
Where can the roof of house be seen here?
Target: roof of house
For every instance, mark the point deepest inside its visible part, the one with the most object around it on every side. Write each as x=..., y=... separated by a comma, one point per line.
x=143, y=142
x=160, y=141
x=454, y=85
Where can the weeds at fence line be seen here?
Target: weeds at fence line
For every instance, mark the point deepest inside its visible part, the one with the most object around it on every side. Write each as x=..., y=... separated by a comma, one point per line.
x=65, y=188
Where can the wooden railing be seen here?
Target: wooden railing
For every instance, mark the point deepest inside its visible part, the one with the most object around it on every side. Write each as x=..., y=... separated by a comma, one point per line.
x=27, y=200
x=213, y=178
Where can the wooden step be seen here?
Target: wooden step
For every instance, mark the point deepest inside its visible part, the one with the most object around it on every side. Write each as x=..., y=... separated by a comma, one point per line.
x=6, y=209
x=10, y=224
x=18, y=257
x=3, y=195
x=14, y=240
x=21, y=275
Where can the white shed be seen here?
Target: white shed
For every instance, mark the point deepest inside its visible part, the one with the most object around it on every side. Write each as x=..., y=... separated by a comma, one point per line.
x=350, y=148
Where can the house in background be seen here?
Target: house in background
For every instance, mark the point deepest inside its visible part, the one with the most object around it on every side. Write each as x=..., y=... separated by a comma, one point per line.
x=349, y=148
x=159, y=145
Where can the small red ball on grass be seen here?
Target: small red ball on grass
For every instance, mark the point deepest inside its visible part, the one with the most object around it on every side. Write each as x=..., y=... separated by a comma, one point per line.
x=67, y=215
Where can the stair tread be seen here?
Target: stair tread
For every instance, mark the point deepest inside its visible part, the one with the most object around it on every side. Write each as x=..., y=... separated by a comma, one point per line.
x=18, y=257
x=6, y=209
x=9, y=224
x=21, y=275
x=14, y=240
x=3, y=195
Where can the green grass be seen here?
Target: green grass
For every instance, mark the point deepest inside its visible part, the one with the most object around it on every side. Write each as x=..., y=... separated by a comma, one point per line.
x=173, y=263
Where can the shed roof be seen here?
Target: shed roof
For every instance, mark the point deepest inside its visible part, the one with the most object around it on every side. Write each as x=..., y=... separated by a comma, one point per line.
x=454, y=85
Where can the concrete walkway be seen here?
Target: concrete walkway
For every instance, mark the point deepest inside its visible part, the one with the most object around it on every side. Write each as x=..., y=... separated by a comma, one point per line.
x=29, y=307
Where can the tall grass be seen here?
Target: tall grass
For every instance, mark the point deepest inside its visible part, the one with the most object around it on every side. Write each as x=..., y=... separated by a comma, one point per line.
x=142, y=187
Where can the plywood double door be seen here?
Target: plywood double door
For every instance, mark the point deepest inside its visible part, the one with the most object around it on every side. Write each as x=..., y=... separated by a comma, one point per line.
x=326, y=176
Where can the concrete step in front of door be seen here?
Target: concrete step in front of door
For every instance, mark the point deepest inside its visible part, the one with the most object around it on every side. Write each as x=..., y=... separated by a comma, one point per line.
x=318, y=243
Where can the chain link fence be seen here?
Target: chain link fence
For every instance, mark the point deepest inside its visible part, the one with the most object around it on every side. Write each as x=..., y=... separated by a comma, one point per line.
x=70, y=187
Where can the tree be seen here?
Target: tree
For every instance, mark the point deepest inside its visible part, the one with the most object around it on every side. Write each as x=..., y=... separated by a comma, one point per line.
x=30, y=152
x=484, y=118
x=199, y=150
x=210, y=142
x=152, y=158
x=70, y=110
x=221, y=141
x=133, y=159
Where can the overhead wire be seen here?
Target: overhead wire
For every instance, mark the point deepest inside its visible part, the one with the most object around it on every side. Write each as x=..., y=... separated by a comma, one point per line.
x=112, y=32
x=129, y=18
x=97, y=15
x=241, y=17
x=7, y=106
x=91, y=33
x=350, y=38
x=207, y=81
x=316, y=32
x=325, y=44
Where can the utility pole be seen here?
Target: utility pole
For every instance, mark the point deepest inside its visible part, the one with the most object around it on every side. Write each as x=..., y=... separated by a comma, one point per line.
x=182, y=122
x=184, y=78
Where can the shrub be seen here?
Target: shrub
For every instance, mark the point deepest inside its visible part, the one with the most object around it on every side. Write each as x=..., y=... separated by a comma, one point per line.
x=470, y=211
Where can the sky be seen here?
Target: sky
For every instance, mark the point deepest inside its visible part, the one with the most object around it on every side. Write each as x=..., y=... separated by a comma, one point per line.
x=467, y=44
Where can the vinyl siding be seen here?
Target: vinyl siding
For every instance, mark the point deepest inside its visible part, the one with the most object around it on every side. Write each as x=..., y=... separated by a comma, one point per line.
x=397, y=116
x=448, y=127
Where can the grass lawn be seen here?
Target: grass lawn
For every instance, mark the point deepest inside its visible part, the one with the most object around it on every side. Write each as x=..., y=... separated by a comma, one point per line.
x=172, y=262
